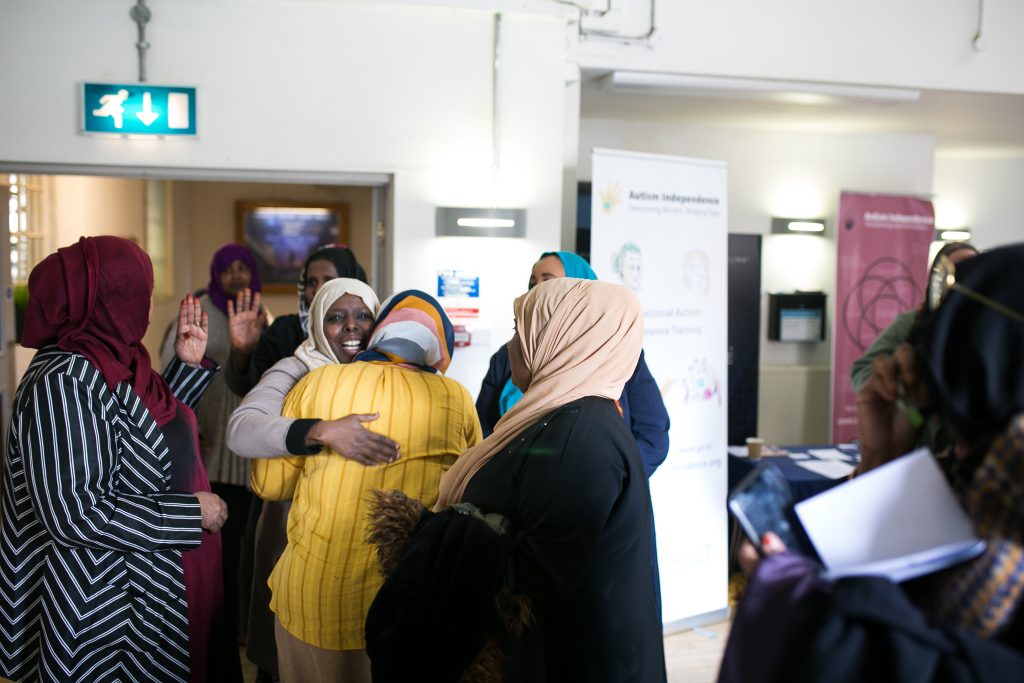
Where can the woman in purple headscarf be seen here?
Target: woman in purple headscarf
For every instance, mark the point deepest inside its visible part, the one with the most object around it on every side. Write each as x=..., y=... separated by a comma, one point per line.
x=232, y=270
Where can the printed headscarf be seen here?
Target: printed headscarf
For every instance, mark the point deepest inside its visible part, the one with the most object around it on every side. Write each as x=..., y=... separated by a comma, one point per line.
x=94, y=298
x=221, y=261
x=316, y=351
x=577, y=338
x=344, y=262
x=975, y=368
x=412, y=329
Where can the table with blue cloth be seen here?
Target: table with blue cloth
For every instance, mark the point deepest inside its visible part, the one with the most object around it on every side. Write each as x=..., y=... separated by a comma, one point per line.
x=803, y=482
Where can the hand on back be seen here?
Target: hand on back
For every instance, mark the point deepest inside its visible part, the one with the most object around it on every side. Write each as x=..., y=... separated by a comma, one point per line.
x=347, y=437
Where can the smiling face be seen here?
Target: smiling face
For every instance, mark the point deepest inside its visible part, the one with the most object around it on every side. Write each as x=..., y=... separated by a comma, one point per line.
x=317, y=273
x=546, y=269
x=347, y=326
x=236, y=278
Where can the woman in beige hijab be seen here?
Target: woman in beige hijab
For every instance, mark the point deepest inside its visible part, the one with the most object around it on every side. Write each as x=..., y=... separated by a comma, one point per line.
x=565, y=471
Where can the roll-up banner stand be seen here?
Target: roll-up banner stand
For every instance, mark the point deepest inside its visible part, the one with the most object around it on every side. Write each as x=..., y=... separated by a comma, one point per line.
x=659, y=227
x=882, y=246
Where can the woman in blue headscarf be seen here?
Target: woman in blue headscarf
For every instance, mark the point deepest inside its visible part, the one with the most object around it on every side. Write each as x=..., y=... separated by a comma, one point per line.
x=640, y=403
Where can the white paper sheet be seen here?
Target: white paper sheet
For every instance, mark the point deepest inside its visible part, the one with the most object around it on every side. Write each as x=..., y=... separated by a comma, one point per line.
x=738, y=451
x=899, y=520
x=828, y=454
x=833, y=469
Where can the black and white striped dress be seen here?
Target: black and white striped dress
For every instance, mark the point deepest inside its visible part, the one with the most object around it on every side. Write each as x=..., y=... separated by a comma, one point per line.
x=91, y=584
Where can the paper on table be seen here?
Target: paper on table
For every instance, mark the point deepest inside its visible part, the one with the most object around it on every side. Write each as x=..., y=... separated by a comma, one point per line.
x=833, y=469
x=738, y=451
x=797, y=455
x=899, y=520
x=828, y=454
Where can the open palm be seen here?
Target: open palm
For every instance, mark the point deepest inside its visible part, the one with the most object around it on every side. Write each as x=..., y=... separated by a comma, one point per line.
x=245, y=321
x=193, y=327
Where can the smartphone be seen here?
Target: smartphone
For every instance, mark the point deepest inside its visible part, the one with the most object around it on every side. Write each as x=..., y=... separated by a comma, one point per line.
x=763, y=502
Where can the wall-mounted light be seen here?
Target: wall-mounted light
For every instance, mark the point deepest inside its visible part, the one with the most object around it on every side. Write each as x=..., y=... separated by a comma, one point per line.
x=468, y=222
x=789, y=226
x=953, y=235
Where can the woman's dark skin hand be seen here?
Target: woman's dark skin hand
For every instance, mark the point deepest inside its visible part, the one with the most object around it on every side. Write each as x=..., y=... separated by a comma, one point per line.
x=347, y=437
x=748, y=556
x=190, y=342
x=885, y=430
x=245, y=321
x=213, y=509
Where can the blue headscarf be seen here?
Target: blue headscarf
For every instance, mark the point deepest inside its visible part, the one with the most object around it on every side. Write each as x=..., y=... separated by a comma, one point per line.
x=575, y=266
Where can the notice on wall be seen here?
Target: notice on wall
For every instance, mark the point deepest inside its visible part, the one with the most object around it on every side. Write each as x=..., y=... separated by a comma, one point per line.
x=881, y=262
x=659, y=228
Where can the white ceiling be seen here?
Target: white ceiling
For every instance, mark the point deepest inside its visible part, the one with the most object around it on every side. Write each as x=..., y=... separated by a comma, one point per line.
x=969, y=124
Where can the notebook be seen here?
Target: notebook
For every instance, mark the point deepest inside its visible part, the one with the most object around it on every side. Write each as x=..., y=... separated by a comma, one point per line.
x=900, y=520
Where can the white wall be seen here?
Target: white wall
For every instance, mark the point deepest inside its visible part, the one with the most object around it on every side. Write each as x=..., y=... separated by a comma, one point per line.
x=986, y=194
x=317, y=87
x=917, y=43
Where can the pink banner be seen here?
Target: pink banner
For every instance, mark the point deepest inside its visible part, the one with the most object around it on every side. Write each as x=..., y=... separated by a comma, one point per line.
x=882, y=246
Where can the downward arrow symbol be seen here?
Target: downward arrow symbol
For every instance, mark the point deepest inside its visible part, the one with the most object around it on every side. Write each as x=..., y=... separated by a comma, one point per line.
x=147, y=115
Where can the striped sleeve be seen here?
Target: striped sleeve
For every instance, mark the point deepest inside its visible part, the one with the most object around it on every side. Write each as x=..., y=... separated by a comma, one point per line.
x=189, y=383
x=73, y=465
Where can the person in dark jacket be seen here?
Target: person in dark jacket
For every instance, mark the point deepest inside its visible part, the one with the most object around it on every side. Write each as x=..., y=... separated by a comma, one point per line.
x=640, y=403
x=563, y=469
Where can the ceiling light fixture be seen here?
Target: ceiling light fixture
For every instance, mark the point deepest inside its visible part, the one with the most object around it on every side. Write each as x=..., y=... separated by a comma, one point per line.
x=644, y=82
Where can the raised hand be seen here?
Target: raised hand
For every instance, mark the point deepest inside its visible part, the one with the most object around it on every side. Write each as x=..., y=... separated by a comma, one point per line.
x=347, y=437
x=887, y=416
x=245, y=321
x=193, y=327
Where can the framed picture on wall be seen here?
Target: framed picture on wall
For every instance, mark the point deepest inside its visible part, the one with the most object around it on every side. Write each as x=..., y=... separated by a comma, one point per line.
x=282, y=234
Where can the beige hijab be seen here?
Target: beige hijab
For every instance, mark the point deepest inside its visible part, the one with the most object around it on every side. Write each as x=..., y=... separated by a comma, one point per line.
x=577, y=338
x=316, y=352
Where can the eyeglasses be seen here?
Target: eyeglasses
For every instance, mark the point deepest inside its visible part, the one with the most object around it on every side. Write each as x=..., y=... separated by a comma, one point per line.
x=942, y=280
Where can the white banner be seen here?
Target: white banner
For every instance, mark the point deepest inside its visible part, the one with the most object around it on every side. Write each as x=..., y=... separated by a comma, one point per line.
x=659, y=227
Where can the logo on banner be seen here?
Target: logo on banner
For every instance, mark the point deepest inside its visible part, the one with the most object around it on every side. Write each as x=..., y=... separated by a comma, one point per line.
x=610, y=197
x=885, y=290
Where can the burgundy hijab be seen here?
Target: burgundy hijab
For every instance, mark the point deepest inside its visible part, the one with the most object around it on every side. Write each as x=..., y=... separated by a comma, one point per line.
x=93, y=298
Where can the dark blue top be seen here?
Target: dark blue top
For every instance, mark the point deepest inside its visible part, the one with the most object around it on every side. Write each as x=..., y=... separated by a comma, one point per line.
x=641, y=404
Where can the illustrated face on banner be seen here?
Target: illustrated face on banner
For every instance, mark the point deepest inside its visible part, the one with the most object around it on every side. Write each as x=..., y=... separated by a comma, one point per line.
x=627, y=263
x=696, y=272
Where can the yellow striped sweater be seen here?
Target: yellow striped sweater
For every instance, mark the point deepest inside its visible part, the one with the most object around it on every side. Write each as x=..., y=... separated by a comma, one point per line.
x=325, y=580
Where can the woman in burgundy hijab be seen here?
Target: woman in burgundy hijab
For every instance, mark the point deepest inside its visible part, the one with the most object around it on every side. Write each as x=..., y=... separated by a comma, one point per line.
x=106, y=568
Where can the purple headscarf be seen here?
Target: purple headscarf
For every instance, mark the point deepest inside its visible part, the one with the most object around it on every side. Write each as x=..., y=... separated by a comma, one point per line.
x=222, y=260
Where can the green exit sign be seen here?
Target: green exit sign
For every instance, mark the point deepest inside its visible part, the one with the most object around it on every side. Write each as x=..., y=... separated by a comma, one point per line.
x=138, y=109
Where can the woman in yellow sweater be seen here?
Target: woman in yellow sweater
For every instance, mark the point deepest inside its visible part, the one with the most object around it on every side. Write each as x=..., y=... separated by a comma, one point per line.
x=325, y=580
